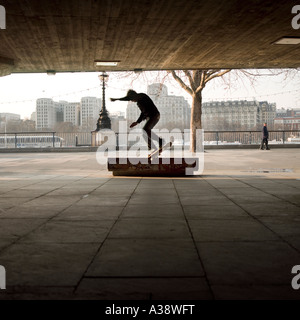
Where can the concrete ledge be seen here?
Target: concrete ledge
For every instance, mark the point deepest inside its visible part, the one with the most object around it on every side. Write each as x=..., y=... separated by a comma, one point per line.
x=162, y=167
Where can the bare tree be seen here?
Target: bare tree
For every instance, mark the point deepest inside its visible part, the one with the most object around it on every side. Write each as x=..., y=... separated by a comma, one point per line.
x=194, y=85
x=194, y=82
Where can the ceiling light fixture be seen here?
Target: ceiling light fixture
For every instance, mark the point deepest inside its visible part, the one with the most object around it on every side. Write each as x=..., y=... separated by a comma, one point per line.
x=288, y=40
x=51, y=72
x=100, y=63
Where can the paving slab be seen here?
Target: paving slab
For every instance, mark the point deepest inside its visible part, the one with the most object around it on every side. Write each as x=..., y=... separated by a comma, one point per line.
x=15, y=228
x=70, y=230
x=151, y=228
x=219, y=200
x=53, y=200
x=281, y=208
x=165, y=211
x=284, y=226
x=6, y=203
x=103, y=200
x=214, y=212
x=248, y=263
x=28, y=211
x=146, y=258
x=46, y=264
x=85, y=213
x=22, y=193
x=245, y=229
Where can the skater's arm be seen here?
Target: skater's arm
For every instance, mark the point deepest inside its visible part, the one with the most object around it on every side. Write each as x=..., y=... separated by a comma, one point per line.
x=133, y=124
x=120, y=99
x=138, y=121
x=141, y=118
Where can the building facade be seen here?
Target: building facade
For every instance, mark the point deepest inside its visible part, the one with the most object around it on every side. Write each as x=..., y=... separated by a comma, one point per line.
x=45, y=114
x=287, y=123
x=267, y=112
x=283, y=113
x=72, y=113
x=84, y=113
x=6, y=117
x=59, y=110
x=237, y=115
x=89, y=114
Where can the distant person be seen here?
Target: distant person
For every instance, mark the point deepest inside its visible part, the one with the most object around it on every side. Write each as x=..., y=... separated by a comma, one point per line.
x=149, y=112
x=265, y=137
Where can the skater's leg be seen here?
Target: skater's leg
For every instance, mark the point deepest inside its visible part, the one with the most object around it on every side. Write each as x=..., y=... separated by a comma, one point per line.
x=149, y=135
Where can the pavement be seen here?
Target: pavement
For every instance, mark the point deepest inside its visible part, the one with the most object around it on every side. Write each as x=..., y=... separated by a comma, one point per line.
x=70, y=230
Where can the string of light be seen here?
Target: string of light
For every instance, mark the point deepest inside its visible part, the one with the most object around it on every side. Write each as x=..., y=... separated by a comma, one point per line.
x=52, y=97
x=111, y=87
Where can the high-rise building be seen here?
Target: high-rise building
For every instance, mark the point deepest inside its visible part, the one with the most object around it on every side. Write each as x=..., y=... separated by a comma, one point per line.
x=174, y=110
x=45, y=114
x=72, y=113
x=85, y=113
x=59, y=109
x=90, y=109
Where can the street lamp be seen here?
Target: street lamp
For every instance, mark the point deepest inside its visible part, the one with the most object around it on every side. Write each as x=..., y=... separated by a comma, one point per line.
x=104, y=120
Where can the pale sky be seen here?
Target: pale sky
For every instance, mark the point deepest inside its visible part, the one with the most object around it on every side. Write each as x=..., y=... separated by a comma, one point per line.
x=18, y=92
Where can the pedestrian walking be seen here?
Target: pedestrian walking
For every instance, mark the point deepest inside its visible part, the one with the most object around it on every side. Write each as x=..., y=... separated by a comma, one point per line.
x=265, y=137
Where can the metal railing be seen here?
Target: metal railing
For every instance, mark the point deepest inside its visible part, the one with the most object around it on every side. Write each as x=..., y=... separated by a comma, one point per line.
x=79, y=139
x=251, y=137
x=44, y=139
x=29, y=139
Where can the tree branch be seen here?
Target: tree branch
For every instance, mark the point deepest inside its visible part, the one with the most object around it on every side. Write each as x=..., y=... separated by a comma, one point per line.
x=216, y=75
x=202, y=83
x=182, y=84
x=191, y=80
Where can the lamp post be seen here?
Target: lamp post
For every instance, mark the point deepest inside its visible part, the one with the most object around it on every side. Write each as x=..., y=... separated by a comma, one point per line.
x=104, y=120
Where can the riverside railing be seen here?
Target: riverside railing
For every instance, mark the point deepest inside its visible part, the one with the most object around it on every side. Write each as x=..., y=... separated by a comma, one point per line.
x=251, y=137
x=79, y=139
x=44, y=139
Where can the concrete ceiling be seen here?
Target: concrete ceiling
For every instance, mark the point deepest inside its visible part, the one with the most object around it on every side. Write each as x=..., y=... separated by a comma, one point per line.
x=68, y=35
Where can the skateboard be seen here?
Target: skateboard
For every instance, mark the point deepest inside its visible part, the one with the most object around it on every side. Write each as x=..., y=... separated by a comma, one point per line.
x=157, y=152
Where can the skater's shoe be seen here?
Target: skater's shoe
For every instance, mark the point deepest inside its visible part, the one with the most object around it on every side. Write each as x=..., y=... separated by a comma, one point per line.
x=164, y=146
x=150, y=154
x=160, y=149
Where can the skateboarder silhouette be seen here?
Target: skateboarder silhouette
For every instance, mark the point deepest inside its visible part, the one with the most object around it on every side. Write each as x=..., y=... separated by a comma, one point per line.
x=149, y=112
